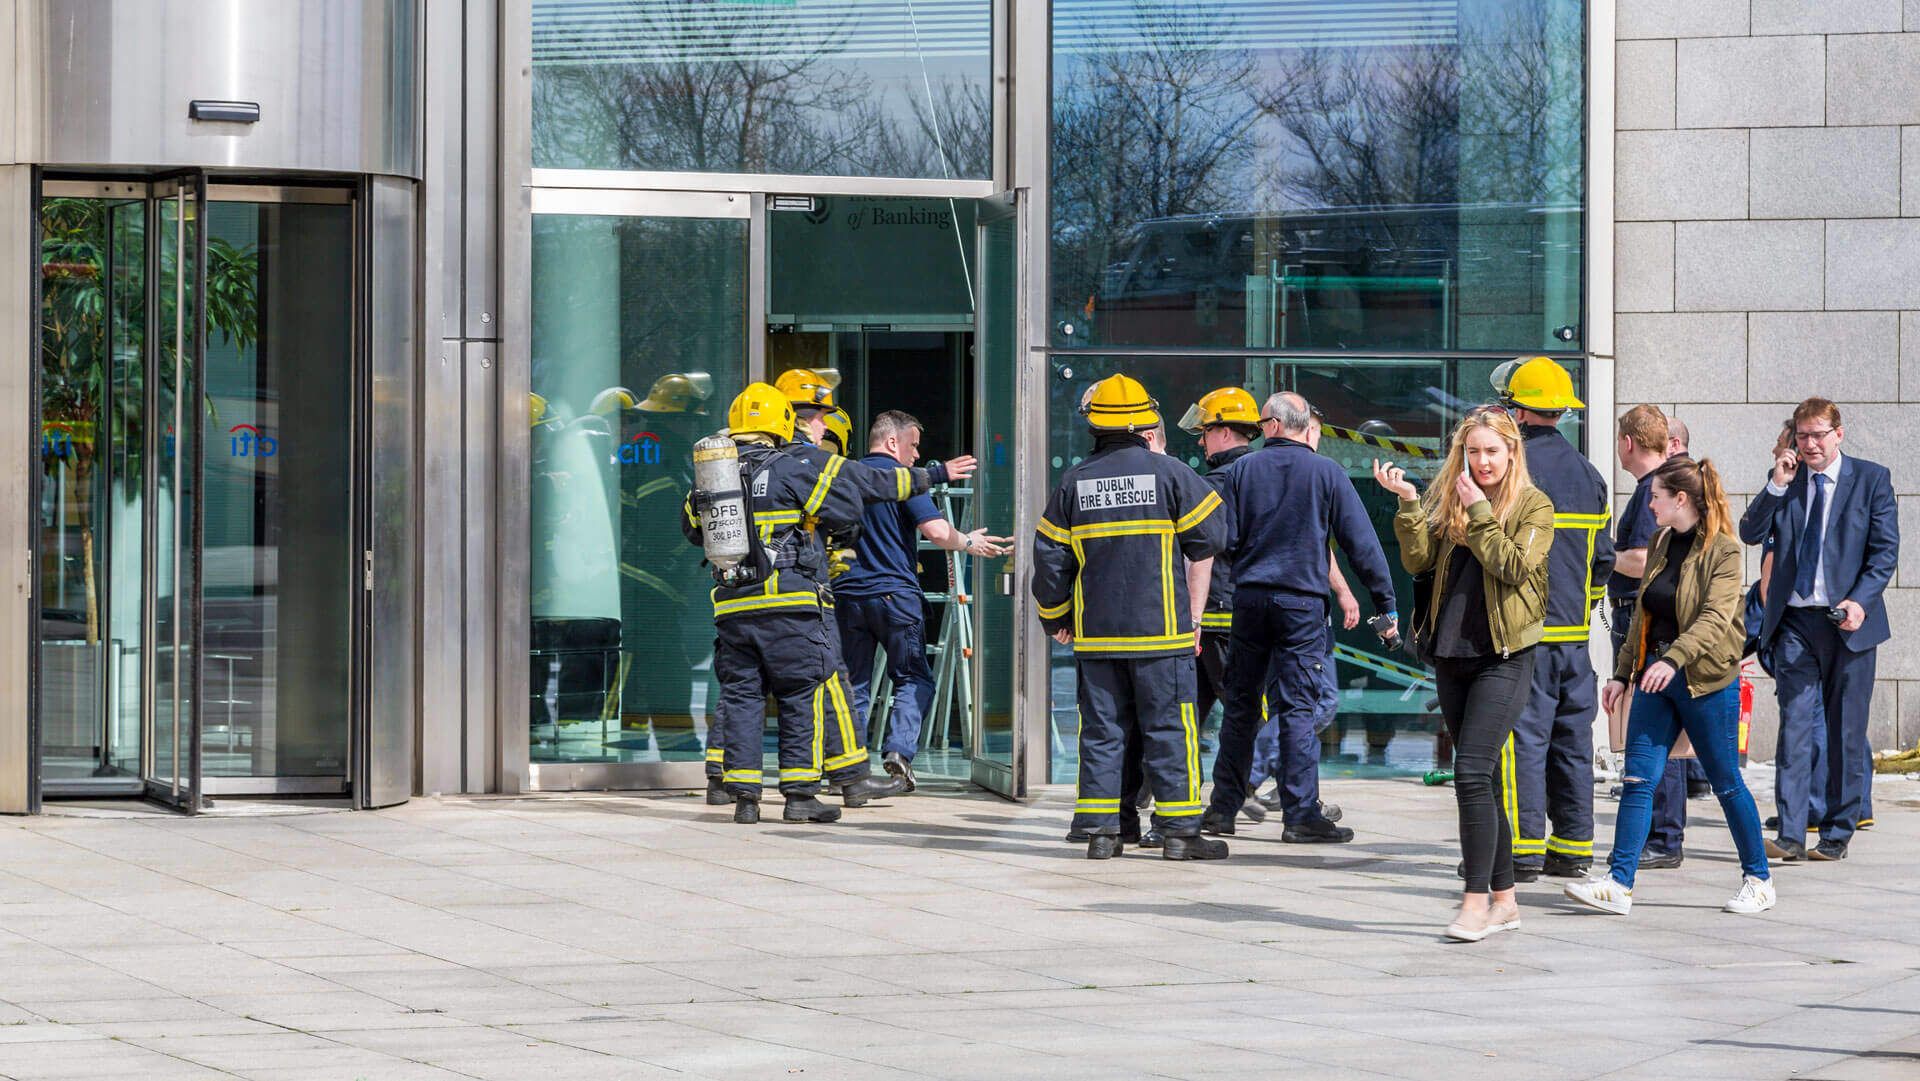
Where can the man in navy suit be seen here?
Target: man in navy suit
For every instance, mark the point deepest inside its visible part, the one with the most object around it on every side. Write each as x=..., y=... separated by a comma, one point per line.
x=1836, y=540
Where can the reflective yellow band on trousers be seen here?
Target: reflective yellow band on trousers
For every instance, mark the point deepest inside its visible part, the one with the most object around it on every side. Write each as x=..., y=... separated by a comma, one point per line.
x=1564, y=847
x=1096, y=806
x=1217, y=621
x=741, y=776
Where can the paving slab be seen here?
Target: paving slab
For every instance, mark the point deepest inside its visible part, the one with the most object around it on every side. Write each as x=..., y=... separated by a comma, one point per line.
x=948, y=936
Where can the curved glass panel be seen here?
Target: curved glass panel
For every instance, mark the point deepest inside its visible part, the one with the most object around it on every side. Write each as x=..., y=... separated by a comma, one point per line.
x=1318, y=174
x=894, y=88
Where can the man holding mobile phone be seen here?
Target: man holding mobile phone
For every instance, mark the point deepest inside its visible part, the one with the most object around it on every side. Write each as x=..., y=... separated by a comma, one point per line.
x=1835, y=530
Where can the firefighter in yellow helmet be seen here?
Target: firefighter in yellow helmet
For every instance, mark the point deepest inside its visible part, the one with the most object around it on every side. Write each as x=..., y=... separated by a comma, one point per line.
x=678, y=392
x=1106, y=581
x=1551, y=771
x=839, y=430
x=774, y=624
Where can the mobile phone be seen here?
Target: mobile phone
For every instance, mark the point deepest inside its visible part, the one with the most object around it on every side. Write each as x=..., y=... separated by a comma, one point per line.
x=1838, y=615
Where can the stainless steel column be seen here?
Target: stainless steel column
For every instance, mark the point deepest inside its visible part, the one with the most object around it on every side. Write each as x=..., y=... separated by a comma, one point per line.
x=19, y=454
x=461, y=408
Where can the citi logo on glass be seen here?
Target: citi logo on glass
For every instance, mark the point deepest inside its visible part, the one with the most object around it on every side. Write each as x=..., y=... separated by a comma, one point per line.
x=643, y=448
x=248, y=441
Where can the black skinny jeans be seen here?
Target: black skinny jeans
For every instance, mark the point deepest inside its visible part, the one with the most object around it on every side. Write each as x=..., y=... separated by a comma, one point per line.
x=1481, y=699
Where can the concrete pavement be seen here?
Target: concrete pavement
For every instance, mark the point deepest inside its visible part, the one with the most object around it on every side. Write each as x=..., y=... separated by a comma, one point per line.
x=946, y=935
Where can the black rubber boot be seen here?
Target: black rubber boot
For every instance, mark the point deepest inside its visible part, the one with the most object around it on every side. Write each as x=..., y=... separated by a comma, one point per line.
x=1216, y=823
x=1193, y=848
x=717, y=795
x=1558, y=866
x=1104, y=846
x=746, y=811
x=1153, y=839
x=859, y=793
x=896, y=765
x=809, y=809
x=1318, y=832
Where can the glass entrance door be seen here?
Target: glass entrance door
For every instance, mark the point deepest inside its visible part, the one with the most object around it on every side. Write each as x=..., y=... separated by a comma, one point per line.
x=996, y=745
x=639, y=343
x=196, y=373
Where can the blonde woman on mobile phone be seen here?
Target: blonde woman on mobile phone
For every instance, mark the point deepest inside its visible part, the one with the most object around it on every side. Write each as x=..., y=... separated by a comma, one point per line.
x=1485, y=532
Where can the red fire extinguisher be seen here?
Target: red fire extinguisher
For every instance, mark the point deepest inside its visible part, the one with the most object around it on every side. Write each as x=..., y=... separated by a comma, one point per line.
x=1746, y=713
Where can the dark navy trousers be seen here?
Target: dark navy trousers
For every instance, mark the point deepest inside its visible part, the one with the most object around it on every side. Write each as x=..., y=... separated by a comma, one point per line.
x=1823, y=688
x=1553, y=757
x=896, y=622
x=1151, y=700
x=1279, y=637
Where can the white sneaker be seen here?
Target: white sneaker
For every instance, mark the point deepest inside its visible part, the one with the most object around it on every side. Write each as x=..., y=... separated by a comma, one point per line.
x=1756, y=895
x=1603, y=893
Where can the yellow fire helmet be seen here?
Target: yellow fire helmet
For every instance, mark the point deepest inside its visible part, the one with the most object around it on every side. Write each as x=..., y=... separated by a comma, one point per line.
x=808, y=386
x=1227, y=405
x=611, y=400
x=840, y=428
x=761, y=408
x=1120, y=404
x=1536, y=383
x=680, y=392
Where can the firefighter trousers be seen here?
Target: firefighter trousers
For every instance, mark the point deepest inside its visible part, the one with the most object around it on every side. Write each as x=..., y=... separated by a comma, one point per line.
x=794, y=657
x=1152, y=697
x=1552, y=774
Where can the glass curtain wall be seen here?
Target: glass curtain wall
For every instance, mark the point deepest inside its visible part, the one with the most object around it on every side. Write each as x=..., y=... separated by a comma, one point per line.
x=639, y=343
x=1372, y=205
x=897, y=88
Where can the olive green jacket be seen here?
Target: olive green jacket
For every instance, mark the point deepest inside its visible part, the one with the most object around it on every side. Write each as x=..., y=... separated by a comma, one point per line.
x=1710, y=607
x=1513, y=563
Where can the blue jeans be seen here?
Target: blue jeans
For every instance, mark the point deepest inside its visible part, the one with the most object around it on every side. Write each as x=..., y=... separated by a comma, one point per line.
x=1712, y=722
x=897, y=622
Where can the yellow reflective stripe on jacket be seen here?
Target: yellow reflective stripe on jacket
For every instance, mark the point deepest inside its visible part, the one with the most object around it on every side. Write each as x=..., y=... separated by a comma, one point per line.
x=1217, y=621
x=1591, y=525
x=1056, y=612
x=819, y=493
x=1169, y=622
x=1199, y=513
x=768, y=597
x=1131, y=527
x=1052, y=532
x=1140, y=644
x=904, y=480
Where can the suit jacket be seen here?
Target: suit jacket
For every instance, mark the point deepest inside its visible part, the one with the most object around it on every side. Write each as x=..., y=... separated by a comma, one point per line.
x=1861, y=549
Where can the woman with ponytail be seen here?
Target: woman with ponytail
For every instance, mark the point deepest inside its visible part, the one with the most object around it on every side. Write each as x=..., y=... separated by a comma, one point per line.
x=1683, y=652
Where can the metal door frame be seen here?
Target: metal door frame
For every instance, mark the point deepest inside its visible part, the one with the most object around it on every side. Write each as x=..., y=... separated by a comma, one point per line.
x=1007, y=779
x=516, y=757
x=189, y=787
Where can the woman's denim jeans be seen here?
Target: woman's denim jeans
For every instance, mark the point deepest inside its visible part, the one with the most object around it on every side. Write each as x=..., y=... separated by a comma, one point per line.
x=1712, y=722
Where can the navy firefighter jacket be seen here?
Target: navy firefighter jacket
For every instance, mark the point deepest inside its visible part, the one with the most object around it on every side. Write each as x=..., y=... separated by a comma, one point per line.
x=1582, y=554
x=1290, y=502
x=797, y=494
x=1110, y=551
x=1218, y=617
